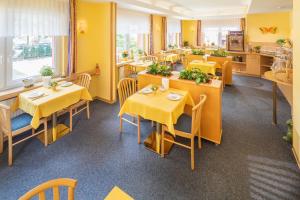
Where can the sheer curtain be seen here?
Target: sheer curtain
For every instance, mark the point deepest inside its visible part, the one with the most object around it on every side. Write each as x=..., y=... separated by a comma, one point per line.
x=174, y=30
x=132, y=22
x=34, y=18
x=215, y=31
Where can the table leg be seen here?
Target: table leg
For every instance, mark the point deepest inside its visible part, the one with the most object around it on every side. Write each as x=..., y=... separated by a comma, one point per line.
x=274, y=103
x=54, y=127
x=153, y=141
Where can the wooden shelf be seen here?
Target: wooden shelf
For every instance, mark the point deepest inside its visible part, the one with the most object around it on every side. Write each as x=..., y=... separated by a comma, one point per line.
x=237, y=62
x=269, y=66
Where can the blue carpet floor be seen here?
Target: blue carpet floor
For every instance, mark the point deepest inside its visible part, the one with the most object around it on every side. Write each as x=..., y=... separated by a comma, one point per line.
x=253, y=161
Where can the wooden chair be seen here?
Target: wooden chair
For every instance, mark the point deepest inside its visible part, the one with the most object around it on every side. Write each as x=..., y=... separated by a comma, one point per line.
x=126, y=88
x=14, y=126
x=154, y=59
x=54, y=185
x=195, y=131
x=83, y=80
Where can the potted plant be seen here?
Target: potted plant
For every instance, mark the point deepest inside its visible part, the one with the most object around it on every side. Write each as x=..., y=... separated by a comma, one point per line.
x=198, y=52
x=185, y=43
x=156, y=69
x=53, y=85
x=46, y=73
x=125, y=54
x=281, y=42
x=257, y=49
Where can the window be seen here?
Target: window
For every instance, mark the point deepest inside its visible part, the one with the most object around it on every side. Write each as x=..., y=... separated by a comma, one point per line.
x=174, y=30
x=215, y=31
x=31, y=37
x=133, y=30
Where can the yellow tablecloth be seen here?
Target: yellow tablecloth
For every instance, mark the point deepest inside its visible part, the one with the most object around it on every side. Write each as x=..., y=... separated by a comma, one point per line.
x=140, y=66
x=206, y=67
x=157, y=107
x=51, y=102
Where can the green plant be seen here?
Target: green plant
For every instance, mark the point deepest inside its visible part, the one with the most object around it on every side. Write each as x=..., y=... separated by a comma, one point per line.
x=157, y=69
x=46, y=71
x=281, y=42
x=185, y=43
x=140, y=52
x=257, y=49
x=194, y=74
x=219, y=53
x=53, y=84
x=125, y=54
x=198, y=52
x=289, y=135
x=171, y=46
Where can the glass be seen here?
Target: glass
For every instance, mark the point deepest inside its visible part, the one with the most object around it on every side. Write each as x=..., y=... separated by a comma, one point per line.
x=30, y=54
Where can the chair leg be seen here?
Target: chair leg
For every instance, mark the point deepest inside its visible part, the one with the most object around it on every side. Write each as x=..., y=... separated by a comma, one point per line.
x=163, y=143
x=199, y=140
x=121, y=124
x=88, y=110
x=1, y=142
x=71, y=120
x=10, y=149
x=192, y=154
x=32, y=131
x=139, y=129
x=45, y=134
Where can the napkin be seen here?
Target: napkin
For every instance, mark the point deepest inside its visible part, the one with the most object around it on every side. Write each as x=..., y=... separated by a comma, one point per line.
x=165, y=83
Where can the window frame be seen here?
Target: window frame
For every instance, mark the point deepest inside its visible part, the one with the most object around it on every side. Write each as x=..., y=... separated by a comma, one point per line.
x=6, y=65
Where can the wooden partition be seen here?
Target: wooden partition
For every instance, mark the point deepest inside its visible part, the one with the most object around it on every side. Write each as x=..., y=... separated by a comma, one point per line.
x=212, y=111
x=221, y=60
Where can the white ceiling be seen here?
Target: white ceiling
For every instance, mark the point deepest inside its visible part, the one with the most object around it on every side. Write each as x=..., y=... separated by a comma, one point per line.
x=203, y=9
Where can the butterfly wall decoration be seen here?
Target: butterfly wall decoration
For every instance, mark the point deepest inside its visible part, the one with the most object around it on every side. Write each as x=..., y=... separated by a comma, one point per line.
x=266, y=30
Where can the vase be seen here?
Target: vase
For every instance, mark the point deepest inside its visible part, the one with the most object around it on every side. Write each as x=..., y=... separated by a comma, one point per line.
x=46, y=81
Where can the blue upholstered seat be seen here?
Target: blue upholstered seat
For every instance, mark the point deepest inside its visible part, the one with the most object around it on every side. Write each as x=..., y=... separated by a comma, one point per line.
x=20, y=121
x=184, y=123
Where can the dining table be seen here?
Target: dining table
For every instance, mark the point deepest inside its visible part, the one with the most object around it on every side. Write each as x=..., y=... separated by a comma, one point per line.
x=208, y=67
x=158, y=107
x=138, y=66
x=49, y=103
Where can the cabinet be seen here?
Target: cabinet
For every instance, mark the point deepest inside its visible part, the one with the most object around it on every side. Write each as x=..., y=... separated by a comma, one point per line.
x=253, y=64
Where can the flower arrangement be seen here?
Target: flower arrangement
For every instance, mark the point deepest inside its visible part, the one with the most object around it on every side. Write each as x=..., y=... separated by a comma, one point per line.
x=257, y=49
x=157, y=69
x=125, y=54
x=194, y=74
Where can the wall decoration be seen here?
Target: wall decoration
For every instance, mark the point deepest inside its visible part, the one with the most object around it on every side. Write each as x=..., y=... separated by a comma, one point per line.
x=266, y=30
x=235, y=41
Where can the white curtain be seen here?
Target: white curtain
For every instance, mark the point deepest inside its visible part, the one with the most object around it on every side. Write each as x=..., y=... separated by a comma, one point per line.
x=221, y=24
x=34, y=18
x=132, y=22
x=173, y=25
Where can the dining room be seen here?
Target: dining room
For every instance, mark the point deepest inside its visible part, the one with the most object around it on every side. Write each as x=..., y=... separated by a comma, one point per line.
x=149, y=99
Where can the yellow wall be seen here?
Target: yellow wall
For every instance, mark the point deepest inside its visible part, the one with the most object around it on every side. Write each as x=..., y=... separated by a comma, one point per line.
x=281, y=20
x=157, y=33
x=189, y=31
x=95, y=46
x=296, y=88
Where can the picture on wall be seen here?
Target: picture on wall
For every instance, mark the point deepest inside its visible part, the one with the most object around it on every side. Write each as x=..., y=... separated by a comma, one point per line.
x=235, y=41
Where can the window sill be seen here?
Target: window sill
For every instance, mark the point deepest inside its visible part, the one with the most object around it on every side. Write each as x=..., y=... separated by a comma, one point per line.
x=12, y=93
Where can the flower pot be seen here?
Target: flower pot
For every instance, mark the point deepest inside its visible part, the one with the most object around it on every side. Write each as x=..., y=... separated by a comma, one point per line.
x=46, y=81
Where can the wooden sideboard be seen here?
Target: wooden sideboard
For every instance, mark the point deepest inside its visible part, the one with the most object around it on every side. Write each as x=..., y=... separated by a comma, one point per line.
x=212, y=111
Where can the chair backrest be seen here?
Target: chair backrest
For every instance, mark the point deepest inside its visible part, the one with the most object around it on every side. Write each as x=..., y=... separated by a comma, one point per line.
x=224, y=68
x=126, y=88
x=54, y=184
x=151, y=58
x=5, y=118
x=196, y=115
x=84, y=80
